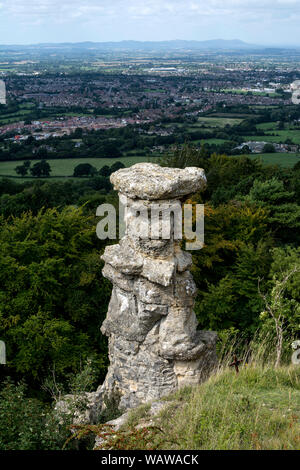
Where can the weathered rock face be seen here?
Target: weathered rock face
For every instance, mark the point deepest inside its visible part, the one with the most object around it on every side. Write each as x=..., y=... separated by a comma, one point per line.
x=152, y=182
x=154, y=345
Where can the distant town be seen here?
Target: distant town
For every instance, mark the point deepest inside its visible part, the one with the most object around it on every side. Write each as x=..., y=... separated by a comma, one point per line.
x=141, y=104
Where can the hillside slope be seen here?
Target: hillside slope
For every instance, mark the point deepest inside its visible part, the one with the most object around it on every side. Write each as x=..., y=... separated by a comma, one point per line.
x=258, y=409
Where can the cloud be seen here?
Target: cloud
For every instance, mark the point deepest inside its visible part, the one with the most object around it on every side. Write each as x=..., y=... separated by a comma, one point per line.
x=149, y=19
x=56, y=10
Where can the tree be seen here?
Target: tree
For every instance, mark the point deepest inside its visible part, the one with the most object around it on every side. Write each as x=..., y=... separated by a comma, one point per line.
x=117, y=166
x=41, y=169
x=297, y=166
x=84, y=169
x=269, y=148
x=78, y=133
x=184, y=156
x=21, y=170
x=111, y=149
x=105, y=171
x=52, y=296
x=284, y=213
x=30, y=140
x=42, y=152
x=227, y=268
x=278, y=306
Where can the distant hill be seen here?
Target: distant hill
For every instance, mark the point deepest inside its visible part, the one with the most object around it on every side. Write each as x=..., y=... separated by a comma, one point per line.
x=176, y=45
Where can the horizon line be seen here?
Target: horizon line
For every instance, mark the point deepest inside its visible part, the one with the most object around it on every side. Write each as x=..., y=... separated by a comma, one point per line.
x=268, y=45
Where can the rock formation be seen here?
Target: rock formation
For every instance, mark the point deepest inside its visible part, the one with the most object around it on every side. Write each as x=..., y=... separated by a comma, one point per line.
x=154, y=345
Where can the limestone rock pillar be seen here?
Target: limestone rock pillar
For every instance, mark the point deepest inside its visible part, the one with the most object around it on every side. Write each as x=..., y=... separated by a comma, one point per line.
x=154, y=345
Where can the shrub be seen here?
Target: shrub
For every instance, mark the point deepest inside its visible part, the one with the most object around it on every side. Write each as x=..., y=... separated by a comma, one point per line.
x=27, y=423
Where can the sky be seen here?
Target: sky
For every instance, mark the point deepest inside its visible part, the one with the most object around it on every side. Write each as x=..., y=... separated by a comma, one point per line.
x=271, y=22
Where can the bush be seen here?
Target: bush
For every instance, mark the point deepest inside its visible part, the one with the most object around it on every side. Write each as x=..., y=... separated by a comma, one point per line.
x=51, y=300
x=269, y=148
x=27, y=423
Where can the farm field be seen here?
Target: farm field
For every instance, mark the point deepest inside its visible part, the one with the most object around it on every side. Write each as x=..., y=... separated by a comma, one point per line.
x=230, y=115
x=65, y=167
x=237, y=91
x=219, y=121
x=268, y=126
x=209, y=121
x=281, y=136
x=27, y=108
x=209, y=141
x=285, y=160
x=263, y=106
x=20, y=115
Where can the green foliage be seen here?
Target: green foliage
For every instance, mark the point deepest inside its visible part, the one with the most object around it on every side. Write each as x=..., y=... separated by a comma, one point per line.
x=50, y=291
x=41, y=169
x=124, y=439
x=284, y=214
x=27, y=423
x=41, y=194
x=284, y=280
x=85, y=379
x=53, y=298
x=184, y=156
x=21, y=170
x=231, y=412
x=30, y=424
x=234, y=300
x=247, y=210
x=84, y=169
x=227, y=269
x=106, y=170
x=269, y=148
x=111, y=408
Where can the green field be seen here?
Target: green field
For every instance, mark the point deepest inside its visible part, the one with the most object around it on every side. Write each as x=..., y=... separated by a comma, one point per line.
x=64, y=167
x=209, y=141
x=267, y=126
x=26, y=109
x=219, y=121
x=263, y=106
x=281, y=136
x=285, y=160
x=235, y=91
x=209, y=121
x=231, y=115
x=18, y=116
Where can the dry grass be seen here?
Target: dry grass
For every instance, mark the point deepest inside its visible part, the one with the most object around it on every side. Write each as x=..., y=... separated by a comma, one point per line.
x=258, y=408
